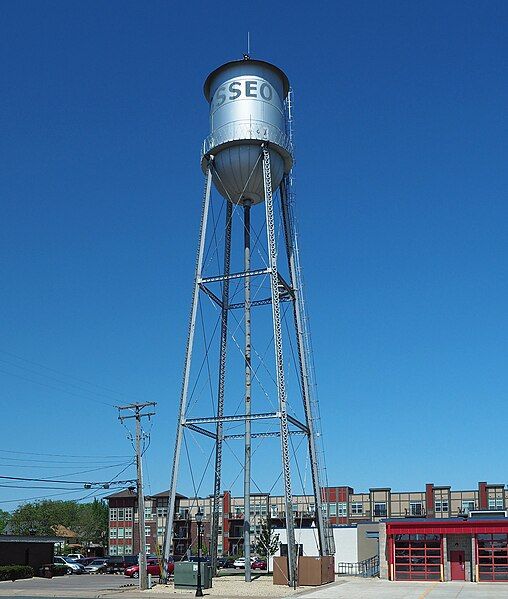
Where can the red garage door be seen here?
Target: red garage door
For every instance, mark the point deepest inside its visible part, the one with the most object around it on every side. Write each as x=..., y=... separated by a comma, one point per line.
x=492, y=557
x=417, y=557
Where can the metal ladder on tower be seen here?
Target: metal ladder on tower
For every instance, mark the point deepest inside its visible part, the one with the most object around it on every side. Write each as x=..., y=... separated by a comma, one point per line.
x=309, y=354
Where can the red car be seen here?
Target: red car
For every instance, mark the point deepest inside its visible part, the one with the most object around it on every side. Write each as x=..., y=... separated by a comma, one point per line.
x=259, y=564
x=152, y=568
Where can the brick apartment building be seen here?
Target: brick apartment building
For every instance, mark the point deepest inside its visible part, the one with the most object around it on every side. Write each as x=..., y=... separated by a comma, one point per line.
x=343, y=505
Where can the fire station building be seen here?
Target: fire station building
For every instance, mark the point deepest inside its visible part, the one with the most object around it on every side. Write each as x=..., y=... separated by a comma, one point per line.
x=472, y=549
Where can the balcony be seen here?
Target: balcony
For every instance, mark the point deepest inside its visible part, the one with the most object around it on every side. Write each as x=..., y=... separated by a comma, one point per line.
x=235, y=516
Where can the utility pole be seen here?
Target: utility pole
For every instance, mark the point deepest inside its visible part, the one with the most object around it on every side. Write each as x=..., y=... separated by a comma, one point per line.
x=137, y=408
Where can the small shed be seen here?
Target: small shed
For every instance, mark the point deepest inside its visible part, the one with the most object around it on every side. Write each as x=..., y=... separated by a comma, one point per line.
x=27, y=550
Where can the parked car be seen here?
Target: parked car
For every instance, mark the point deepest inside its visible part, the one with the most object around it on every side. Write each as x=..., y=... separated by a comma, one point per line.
x=240, y=562
x=259, y=564
x=72, y=566
x=225, y=562
x=153, y=568
x=98, y=566
x=118, y=563
x=203, y=558
x=75, y=556
x=84, y=561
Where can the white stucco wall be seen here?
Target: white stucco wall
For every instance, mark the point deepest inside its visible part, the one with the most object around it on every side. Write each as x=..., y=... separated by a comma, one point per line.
x=346, y=545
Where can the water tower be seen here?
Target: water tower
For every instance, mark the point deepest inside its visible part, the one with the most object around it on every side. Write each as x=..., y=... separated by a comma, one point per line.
x=248, y=158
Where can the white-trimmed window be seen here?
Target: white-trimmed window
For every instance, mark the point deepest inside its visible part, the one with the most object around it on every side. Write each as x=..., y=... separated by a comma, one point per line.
x=441, y=506
x=113, y=513
x=332, y=509
x=147, y=548
x=415, y=508
x=162, y=512
x=121, y=513
x=380, y=509
x=127, y=550
x=147, y=531
x=112, y=550
x=160, y=530
x=112, y=533
x=342, y=508
x=148, y=513
x=128, y=514
x=128, y=533
x=357, y=508
x=496, y=504
x=120, y=549
x=121, y=533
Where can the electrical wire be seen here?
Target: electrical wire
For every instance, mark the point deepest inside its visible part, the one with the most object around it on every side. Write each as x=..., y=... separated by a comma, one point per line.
x=63, y=455
x=64, y=374
x=24, y=378
x=67, y=482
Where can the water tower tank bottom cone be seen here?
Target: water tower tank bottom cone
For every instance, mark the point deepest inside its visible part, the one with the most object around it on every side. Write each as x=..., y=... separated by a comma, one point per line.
x=238, y=172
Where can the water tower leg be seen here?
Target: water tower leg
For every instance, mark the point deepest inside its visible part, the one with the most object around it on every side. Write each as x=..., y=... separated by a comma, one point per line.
x=303, y=367
x=214, y=542
x=168, y=537
x=281, y=386
x=247, y=317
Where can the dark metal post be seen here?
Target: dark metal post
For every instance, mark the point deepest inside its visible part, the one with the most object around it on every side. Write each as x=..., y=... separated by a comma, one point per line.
x=199, y=520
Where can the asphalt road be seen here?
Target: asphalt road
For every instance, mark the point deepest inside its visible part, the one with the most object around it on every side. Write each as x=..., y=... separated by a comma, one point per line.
x=84, y=585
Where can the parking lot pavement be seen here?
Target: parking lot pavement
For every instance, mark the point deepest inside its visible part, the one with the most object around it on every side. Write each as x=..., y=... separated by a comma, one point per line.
x=85, y=585
x=373, y=588
x=109, y=586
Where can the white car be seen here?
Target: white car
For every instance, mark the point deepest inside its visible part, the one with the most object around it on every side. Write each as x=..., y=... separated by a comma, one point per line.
x=75, y=556
x=240, y=562
x=72, y=566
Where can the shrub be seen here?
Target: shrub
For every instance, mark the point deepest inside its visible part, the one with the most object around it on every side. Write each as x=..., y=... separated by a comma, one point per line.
x=15, y=572
x=59, y=569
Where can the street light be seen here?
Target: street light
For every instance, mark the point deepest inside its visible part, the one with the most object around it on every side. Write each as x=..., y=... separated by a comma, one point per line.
x=199, y=522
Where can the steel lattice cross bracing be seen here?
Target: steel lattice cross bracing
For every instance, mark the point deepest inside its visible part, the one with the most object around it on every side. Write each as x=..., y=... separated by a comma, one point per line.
x=247, y=296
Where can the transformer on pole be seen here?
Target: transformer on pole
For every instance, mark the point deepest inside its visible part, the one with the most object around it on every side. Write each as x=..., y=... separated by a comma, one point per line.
x=248, y=158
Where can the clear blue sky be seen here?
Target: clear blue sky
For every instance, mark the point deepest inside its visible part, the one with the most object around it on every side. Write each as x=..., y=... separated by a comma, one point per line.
x=401, y=178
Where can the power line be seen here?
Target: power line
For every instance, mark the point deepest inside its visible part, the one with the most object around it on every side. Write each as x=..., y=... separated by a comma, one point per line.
x=24, y=378
x=63, y=455
x=67, y=482
x=57, y=380
x=81, y=380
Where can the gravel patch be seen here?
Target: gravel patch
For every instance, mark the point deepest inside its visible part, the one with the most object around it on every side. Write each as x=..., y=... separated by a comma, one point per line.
x=233, y=586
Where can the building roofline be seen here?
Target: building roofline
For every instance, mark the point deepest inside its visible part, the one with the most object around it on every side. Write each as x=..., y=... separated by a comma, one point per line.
x=29, y=539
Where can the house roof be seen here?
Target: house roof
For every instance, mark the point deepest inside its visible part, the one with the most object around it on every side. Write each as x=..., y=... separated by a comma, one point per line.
x=123, y=493
x=63, y=531
x=29, y=539
x=166, y=494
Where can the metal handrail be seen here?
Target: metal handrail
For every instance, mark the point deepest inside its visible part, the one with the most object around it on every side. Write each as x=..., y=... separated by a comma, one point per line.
x=248, y=130
x=366, y=568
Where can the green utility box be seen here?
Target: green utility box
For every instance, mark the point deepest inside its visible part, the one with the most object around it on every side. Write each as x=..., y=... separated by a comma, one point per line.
x=186, y=575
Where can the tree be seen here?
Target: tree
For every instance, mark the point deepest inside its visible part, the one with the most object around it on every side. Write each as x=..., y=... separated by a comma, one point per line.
x=92, y=522
x=88, y=520
x=4, y=520
x=267, y=541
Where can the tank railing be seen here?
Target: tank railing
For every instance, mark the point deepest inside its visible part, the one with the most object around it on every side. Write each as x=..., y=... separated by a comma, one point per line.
x=366, y=568
x=238, y=130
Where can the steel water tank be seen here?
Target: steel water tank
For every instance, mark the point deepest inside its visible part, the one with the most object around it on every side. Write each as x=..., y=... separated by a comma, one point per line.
x=246, y=109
